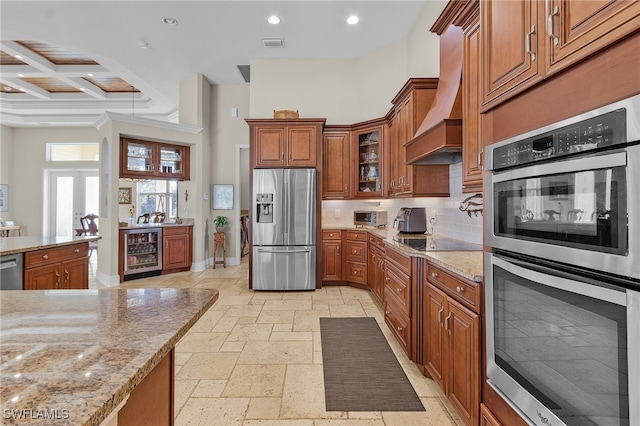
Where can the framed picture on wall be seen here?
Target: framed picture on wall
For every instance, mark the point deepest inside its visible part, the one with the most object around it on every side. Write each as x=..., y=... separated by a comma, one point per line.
x=4, y=198
x=124, y=195
x=222, y=197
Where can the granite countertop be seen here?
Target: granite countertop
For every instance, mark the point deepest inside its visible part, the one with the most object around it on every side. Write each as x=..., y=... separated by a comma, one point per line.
x=153, y=225
x=79, y=353
x=467, y=264
x=12, y=245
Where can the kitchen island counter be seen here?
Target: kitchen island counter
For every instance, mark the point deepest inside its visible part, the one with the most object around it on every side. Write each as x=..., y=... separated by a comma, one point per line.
x=75, y=356
x=13, y=245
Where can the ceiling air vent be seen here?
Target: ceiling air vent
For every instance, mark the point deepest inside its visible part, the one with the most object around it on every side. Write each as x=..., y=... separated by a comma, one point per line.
x=273, y=42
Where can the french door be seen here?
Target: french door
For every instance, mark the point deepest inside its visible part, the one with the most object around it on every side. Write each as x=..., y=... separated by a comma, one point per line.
x=73, y=194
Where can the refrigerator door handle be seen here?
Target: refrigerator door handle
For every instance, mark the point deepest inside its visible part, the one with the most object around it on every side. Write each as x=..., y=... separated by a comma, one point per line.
x=283, y=251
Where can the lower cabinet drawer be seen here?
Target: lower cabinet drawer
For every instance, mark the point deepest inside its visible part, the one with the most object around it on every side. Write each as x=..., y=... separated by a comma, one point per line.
x=399, y=324
x=356, y=251
x=398, y=286
x=356, y=272
x=44, y=256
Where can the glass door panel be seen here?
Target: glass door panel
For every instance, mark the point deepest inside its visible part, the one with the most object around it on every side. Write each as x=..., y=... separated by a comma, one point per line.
x=73, y=195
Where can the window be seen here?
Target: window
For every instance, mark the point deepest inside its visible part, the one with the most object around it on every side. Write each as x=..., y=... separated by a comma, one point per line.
x=158, y=196
x=73, y=151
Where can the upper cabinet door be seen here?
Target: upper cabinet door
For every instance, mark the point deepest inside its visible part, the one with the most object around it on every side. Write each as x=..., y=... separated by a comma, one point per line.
x=335, y=165
x=270, y=146
x=153, y=160
x=302, y=146
x=576, y=29
x=509, y=47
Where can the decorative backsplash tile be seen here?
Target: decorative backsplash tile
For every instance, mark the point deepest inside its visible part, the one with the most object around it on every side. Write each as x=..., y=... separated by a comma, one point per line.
x=451, y=222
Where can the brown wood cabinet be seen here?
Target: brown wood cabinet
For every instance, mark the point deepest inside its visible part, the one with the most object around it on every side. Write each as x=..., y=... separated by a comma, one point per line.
x=472, y=149
x=331, y=255
x=153, y=160
x=487, y=418
x=576, y=29
x=55, y=268
x=177, y=248
x=397, y=297
x=451, y=340
x=510, y=34
x=336, y=161
x=285, y=143
x=525, y=41
x=355, y=257
x=368, y=159
x=375, y=266
x=411, y=105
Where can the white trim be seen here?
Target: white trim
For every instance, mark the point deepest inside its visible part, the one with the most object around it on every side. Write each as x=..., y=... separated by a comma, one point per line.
x=107, y=280
x=199, y=266
x=130, y=119
x=238, y=211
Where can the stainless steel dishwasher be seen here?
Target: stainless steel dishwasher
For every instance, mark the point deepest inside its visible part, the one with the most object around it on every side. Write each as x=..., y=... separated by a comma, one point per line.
x=11, y=272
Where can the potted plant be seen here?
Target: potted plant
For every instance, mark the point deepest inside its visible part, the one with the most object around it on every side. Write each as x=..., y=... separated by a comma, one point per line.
x=221, y=223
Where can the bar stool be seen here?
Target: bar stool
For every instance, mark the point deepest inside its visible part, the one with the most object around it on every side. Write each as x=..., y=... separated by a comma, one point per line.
x=220, y=238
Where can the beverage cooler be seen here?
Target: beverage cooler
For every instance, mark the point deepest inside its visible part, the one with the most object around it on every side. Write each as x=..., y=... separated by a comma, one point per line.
x=142, y=252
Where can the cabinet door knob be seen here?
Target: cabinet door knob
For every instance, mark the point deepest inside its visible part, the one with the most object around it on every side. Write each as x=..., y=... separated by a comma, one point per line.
x=355, y=251
x=400, y=328
x=387, y=313
x=76, y=251
x=45, y=256
x=434, y=274
x=459, y=289
x=331, y=234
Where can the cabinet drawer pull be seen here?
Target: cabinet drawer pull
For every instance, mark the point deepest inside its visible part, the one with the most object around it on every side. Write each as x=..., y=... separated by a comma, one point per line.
x=45, y=256
x=440, y=315
x=331, y=234
x=289, y=156
x=386, y=279
x=398, y=290
x=355, y=251
x=76, y=251
x=527, y=48
x=57, y=278
x=556, y=12
x=66, y=275
x=434, y=274
x=446, y=323
x=400, y=328
x=338, y=250
x=459, y=289
x=355, y=272
x=356, y=235
x=387, y=313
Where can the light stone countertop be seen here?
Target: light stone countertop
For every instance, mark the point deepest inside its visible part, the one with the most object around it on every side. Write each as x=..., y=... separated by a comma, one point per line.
x=79, y=353
x=12, y=245
x=467, y=264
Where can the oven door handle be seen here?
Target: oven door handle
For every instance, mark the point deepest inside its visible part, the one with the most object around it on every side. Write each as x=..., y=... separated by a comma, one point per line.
x=553, y=279
x=593, y=162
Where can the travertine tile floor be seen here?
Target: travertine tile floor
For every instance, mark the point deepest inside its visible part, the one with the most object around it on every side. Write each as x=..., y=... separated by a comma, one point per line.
x=255, y=358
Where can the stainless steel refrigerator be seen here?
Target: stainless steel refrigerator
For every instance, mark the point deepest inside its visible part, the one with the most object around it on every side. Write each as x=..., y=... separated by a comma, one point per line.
x=284, y=229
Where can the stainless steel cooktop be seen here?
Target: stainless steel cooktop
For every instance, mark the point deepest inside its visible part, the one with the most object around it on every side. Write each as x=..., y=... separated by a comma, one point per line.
x=432, y=243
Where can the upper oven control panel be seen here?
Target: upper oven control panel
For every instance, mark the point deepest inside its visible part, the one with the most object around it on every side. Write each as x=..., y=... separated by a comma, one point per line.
x=596, y=132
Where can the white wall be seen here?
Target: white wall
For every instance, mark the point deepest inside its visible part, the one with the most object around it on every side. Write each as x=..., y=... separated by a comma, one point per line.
x=226, y=133
x=29, y=164
x=6, y=168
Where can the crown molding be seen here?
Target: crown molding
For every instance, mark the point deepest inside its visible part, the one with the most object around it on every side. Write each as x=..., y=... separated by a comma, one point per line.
x=141, y=121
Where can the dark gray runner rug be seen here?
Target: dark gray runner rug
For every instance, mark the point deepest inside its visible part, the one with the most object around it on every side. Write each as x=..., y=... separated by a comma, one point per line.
x=361, y=372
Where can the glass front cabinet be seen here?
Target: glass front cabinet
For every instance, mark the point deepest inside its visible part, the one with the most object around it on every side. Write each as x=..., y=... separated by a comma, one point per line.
x=368, y=145
x=146, y=159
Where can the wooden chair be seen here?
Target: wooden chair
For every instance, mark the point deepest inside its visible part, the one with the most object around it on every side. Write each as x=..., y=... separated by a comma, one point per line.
x=157, y=217
x=143, y=218
x=90, y=227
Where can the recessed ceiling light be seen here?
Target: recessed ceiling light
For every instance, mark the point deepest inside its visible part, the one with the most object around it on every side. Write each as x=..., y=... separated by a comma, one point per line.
x=20, y=75
x=352, y=20
x=170, y=21
x=89, y=74
x=82, y=89
x=7, y=88
x=273, y=19
x=18, y=56
x=21, y=89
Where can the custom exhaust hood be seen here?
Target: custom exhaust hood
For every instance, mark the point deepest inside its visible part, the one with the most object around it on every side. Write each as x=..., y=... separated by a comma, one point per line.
x=439, y=137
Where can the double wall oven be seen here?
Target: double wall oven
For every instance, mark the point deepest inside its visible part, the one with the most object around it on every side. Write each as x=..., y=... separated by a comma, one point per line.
x=562, y=278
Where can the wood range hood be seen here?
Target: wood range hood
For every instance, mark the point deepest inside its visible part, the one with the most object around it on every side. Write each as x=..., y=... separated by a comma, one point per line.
x=439, y=137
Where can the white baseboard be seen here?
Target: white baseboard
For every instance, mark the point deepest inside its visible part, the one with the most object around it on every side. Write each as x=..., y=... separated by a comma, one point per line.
x=107, y=280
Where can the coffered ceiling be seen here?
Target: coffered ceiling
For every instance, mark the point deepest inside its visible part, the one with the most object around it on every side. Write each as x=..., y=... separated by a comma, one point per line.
x=63, y=63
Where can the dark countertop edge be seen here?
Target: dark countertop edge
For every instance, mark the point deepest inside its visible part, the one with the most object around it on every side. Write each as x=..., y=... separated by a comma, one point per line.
x=110, y=405
x=75, y=240
x=384, y=234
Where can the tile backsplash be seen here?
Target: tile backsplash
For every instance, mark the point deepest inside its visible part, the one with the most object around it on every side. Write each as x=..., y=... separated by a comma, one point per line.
x=450, y=221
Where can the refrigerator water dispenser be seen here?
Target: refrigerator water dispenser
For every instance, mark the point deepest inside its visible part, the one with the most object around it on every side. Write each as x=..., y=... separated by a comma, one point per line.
x=264, y=207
